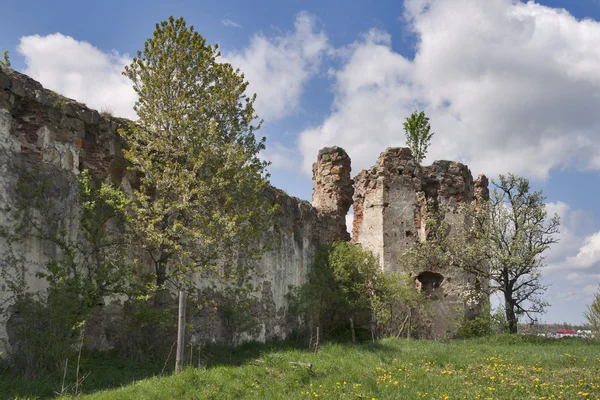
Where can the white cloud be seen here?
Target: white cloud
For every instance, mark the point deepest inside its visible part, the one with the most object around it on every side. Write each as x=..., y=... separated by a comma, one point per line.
x=588, y=254
x=371, y=92
x=509, y=87
x=349, y=222
x=278, y=67
x=81, y=71
x=281, y=157
x=575, y=249
x=231, y=23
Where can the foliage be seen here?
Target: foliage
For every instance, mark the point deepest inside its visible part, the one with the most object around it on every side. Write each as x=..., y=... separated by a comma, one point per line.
x=199, y=197
x=399, y=308
x=347, y=282
x=85, y=263
x=499, y=323
x=418, y=134
x=462, y=244
x=5, y=60
x=235, y=303
x=454, y=240
x=501, y=241
x=478, y=326
x=592, y=314
x=147, y=331
x=519, y=232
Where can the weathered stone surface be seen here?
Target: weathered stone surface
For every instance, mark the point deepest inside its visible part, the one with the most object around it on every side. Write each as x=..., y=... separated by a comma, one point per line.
x=481, y=191
x=390, y=210
x=45, y=131
x=41, y=130
x=332, y=192
x=386, y=205
x=4, y=81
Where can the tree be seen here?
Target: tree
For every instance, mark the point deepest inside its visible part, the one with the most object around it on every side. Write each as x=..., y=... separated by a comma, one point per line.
x=5, y=61
x=418, y=134
x=347, y=283
x=592, y=314
x=519, y=231
x=88, y=263
x=502, y=241
x=198, y=200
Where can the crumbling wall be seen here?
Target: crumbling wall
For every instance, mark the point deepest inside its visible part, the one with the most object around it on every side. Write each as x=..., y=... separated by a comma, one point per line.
x=390, y=213
x=45, y=132
x=332, y=193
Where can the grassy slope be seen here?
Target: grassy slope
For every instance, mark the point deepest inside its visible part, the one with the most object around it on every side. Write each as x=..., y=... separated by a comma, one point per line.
x=491, y=368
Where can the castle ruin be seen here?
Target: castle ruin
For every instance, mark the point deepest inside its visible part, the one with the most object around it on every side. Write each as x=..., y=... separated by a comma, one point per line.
x=43, y=131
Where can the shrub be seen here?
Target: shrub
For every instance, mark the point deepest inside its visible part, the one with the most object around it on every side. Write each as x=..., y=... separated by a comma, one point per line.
x=347, y=282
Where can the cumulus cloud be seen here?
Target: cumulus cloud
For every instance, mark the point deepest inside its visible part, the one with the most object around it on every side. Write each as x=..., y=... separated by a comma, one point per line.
x=573, y=264
x=508, y=86
x=81, y=71
x=278, y=67
x=588, y=254
x=575, y=249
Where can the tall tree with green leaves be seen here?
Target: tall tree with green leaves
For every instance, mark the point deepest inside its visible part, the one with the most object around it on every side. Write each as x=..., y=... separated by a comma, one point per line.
x=592, y=314
x=418, y=134
x=519, y=232
x=199, y=201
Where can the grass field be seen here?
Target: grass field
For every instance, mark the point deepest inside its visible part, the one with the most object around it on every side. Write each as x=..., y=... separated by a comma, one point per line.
x=490, y=368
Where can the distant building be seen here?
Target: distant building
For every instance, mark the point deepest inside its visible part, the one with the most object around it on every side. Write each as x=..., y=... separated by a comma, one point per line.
x=565, y=332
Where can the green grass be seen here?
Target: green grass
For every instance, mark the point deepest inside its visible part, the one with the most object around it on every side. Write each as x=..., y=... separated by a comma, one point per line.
x=491, y=368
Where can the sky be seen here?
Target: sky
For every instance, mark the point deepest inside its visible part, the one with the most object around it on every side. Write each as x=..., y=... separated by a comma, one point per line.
x=509, y=86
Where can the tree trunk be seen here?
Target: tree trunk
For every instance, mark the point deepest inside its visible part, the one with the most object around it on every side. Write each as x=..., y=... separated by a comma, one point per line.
x=511, y=317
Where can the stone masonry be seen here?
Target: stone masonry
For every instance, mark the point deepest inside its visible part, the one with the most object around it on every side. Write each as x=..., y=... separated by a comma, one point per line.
x=333, y=190
x=43, y=131
x=390, y=210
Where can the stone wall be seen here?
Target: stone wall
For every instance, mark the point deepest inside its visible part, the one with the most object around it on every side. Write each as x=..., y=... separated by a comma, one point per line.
x=390, y=207
x=45, y=132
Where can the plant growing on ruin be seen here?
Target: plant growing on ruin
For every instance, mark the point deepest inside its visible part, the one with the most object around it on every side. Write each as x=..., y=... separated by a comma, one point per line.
x=418, y=134
x=592, y=313
x=501, y=241
x=399, y=308
x=461, y=245
x=347, y=282
x=199, y=200
x=5, y=60
x=236, y=304
x=86, y=264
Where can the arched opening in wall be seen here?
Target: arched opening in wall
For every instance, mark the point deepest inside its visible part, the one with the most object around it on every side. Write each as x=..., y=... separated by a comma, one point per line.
x=428, y=281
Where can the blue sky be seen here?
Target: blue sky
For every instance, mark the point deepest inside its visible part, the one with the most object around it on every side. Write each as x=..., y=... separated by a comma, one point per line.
x=510, y=87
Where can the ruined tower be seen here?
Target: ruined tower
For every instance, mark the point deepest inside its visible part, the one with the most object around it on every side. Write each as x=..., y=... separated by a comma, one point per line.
x=332, y=192
x=390, y=213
